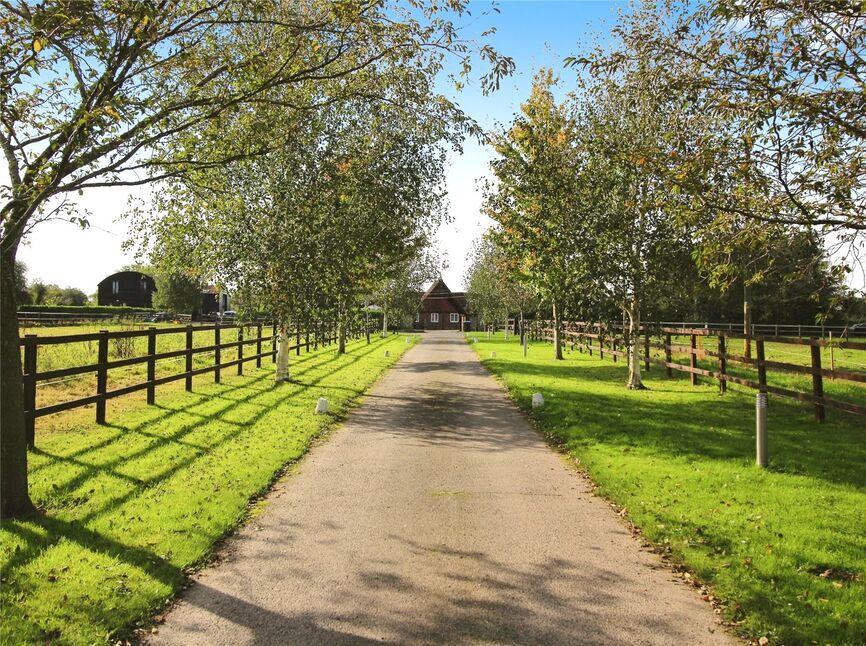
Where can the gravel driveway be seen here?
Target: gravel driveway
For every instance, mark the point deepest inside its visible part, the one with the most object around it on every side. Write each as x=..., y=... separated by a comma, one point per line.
x=436, y=514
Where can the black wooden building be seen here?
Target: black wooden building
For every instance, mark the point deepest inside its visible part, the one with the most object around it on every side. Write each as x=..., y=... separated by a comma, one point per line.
x=129, y=288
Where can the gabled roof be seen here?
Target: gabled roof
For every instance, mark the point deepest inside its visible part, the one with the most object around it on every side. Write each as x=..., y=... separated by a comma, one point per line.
x=438, y=288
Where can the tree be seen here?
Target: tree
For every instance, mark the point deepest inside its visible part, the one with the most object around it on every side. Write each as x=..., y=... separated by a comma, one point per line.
x=789, y=76
x=96, y=94
x=484, y=281
x=37, y=290
x=50, y=294
x=493, y=288
x=399, y=291
x=23, y=293
x=177, y=292
x=534, y=197
x=55, y=295
x=782, y=83
x=310, y=230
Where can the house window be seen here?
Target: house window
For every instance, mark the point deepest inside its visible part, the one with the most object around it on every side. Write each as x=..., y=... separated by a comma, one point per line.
x=417, y=317
x=455, y=317
x=434, y=317
x=115, y=286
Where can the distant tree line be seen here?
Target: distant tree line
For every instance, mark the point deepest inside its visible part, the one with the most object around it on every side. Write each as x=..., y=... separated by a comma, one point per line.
x=40, y=293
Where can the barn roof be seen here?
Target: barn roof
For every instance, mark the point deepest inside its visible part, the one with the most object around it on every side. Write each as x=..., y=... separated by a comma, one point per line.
x=129, y=275
x=440, y=290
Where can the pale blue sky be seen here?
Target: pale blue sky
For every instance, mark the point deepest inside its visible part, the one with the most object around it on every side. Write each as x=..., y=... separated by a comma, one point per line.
x=534, y=33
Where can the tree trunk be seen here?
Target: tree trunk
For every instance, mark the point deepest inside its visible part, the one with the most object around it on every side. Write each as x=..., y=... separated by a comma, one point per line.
x=384, y=323
x=747, y=320
x=506, y=328
x=283, y=354
x=14, y=496
x=634, y=380
x=367, y=320
x=557, y=338
x=341, y=331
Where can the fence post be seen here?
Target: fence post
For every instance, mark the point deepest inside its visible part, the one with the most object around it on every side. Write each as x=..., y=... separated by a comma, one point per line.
x=30, y=349
x=151, y=365
x=646, y=350
x=613, y=347
x=259, y=345
x=762, y=368
x=761, y=429
x=817, y=382
x=101, y=376
x=217, y=355
x=693, y=359
x=274, y=343
x=307, y=336
x=298, y=340
x=189, y=358
x=723, y=365
x=668, y=355
x=240, y=350
x=600, y=344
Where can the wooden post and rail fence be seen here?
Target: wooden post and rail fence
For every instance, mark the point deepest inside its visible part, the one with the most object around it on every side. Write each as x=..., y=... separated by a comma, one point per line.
x=612, y=341
x=247, y=335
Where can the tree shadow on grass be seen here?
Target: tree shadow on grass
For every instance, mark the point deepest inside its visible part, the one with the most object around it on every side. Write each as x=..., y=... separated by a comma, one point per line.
x=209, y=408
x=583, y=404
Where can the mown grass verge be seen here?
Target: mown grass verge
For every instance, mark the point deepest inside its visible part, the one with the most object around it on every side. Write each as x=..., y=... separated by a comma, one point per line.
x=784, y=547
x=130, y=507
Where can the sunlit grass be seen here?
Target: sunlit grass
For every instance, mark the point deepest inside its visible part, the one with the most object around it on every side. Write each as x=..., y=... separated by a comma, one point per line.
x=131, y=506
x=784, y=547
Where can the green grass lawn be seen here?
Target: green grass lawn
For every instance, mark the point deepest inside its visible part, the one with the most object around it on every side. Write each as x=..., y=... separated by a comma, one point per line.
x=784, y=547
x=130, y=507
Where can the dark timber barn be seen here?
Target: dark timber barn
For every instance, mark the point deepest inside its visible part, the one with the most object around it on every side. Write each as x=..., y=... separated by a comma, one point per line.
x=441, y=309
x=129, y=288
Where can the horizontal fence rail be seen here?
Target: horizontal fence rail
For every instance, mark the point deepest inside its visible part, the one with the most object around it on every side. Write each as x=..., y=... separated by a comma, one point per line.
x=613, y=341
x=248, y=335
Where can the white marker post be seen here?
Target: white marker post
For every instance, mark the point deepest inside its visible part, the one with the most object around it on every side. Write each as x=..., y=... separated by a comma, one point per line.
x=761, y=429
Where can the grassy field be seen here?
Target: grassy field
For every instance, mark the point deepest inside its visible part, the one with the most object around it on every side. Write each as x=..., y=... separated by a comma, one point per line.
x=130, y=507
x=798, y=355
x=54, y=357
x=783, y=547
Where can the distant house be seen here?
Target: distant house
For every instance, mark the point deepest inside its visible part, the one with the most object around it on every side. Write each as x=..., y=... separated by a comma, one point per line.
x=214, y=300
x=128, y=288
x=441, y=309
